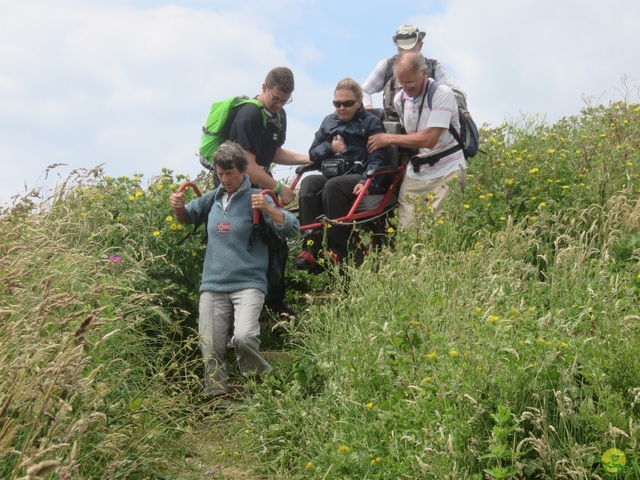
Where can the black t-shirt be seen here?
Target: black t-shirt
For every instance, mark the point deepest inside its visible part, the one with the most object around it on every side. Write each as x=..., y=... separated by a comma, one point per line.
x=249, y=131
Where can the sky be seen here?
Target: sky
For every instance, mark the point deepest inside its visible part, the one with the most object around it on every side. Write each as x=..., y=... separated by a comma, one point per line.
x=127, y=84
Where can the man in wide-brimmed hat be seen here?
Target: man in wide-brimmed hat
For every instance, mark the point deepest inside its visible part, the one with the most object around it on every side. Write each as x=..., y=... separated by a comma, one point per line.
x=408, y=38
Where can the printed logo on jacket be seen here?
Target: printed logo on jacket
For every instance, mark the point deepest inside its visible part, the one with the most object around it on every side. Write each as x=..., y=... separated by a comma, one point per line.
x=223, y=227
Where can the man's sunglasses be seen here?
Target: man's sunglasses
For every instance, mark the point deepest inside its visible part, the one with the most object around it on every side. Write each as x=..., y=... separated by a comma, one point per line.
x=347, y=104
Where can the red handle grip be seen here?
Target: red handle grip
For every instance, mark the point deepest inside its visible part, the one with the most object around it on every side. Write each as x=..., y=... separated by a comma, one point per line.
x=256, y=212
x=182, y=189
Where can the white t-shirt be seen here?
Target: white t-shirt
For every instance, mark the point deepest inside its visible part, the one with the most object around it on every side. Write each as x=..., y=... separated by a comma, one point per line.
x=444, y=112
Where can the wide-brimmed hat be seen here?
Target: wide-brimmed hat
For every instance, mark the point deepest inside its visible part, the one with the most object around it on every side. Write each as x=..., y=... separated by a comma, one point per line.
x=407, y=36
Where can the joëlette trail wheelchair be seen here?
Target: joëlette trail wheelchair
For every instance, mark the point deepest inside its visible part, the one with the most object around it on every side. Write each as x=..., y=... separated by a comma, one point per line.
x=370, y=213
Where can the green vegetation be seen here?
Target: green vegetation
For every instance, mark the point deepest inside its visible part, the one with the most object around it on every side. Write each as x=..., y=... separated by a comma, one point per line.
x=499, y=340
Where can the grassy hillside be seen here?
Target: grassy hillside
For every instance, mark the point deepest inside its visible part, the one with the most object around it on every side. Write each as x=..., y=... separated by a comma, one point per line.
x=500, y=340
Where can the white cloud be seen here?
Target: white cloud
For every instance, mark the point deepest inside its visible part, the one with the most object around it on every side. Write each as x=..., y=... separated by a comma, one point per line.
x=129, y=82
x=536, y=56
x=129, y=87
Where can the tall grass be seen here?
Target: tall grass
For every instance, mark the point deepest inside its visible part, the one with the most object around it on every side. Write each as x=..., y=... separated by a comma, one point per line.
x=499, y=340
x=91, y=385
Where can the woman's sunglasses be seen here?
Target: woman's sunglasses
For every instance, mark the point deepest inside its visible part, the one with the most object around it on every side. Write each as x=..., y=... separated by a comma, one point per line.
x=347, y=104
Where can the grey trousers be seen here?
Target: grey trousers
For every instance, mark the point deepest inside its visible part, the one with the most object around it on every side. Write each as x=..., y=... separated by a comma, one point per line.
x=217, y=314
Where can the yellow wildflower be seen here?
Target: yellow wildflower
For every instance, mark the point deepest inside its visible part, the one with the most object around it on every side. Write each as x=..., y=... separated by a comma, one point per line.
x=138, y=194
x=453, y=353
x=160, y=187
x=169, y=218
x=309, y=465
x=369, y=405
x=432, y=354
x=156, y=233
x=533, y=170
x=343, y=448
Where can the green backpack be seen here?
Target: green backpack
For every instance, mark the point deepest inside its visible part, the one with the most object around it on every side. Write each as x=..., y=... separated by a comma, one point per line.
x=218, y=125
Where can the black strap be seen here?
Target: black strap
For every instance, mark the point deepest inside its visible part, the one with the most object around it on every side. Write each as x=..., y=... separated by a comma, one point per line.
x=417, y=161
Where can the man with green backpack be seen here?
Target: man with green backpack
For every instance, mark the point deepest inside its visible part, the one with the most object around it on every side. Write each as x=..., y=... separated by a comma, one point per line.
x=259, y=125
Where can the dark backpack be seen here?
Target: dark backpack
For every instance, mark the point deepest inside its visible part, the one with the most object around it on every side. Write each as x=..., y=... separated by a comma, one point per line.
x=468, y=139
x=218, y=125
x=278, y=251
x=390, y=87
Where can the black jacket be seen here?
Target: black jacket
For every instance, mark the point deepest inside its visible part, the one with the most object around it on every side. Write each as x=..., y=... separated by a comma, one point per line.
x=355, y=134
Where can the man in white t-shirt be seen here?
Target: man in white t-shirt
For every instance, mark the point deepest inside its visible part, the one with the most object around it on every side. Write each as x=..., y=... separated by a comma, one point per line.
x=408, y=38
x=439, y=158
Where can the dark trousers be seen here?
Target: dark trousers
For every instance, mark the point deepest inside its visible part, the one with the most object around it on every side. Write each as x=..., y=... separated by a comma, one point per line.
x=332, y=197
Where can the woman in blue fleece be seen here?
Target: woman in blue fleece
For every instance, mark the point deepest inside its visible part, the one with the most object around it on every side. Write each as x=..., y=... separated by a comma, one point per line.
x=234, y=274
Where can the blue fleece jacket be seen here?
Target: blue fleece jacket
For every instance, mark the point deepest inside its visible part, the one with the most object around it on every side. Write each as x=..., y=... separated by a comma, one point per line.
x=232, y=261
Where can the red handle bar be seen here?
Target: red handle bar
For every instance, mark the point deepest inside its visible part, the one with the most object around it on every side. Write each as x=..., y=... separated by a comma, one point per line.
x=256, y=212
x=182, y=189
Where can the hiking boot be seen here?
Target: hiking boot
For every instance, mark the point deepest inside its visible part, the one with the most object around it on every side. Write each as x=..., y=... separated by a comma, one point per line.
x=305, y=261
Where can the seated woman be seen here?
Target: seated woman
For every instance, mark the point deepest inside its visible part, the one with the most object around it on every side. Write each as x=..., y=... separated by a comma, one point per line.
x=342, y=135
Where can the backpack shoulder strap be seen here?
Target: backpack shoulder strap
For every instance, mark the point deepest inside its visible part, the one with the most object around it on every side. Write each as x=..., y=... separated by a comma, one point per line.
x=388, y=74
x=265, y=116
x=431, y=63
x=432, y=90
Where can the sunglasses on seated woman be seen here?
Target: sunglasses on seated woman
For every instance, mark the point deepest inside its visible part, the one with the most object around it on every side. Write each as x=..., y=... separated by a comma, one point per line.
x=345, y=104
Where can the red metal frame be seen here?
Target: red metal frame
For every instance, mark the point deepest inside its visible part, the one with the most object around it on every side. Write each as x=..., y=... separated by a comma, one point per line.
x=353, y=215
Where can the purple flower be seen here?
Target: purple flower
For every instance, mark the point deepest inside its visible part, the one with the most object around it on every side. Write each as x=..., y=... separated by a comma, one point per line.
x=115, y=259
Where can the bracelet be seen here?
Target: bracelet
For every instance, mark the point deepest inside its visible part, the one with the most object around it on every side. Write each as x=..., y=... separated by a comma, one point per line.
x=278, y=189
